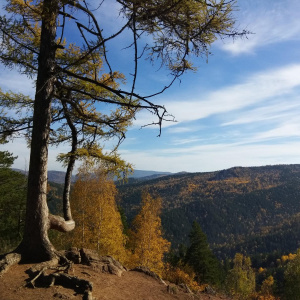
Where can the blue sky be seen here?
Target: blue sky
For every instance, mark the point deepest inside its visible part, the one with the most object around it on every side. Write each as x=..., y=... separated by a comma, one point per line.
x=241, y=107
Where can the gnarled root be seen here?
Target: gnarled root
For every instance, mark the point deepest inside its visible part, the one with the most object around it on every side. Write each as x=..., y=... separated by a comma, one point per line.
x=37, y=268
x=40, y=276
x=79, y=285
x=8, y=261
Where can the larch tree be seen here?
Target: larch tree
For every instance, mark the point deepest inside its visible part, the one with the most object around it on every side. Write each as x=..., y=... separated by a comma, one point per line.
x=147, y=242
x=292, y=278
x=99, y=224
x=240, y=280
x=71, y=83
x=266, y=290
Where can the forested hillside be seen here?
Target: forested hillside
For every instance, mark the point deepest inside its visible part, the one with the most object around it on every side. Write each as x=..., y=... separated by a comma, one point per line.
x=252, y=210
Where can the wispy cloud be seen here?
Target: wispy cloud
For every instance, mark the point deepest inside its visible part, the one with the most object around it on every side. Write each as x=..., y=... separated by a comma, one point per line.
x=275, y=110
x=182, y=129
x=16, y=82
x=108, y=15
x=185, y=141
x=285, y=130
x=254, y=122
x=215, y=156
x=261, y=88
x=257, y=88
x=270, y=22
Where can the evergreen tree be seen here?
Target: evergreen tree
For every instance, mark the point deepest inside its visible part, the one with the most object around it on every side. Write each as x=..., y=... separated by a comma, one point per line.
x=147, y=242
x=6, y=160
x=12, y=203
x=124, y=220
x=200, y=257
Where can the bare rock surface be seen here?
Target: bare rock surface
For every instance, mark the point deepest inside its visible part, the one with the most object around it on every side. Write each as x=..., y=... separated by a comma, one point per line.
x=106, y=264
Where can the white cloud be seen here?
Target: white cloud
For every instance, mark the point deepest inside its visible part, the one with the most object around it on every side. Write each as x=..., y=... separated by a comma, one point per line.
x=182, y=129
x=291, y=129
x=185, y=141
x=214, y=157
x=268, y=89
x=276, y=110
x=16, y=82
x=256, y=89
x=19, y=148
x=271, y=22
x=108, y=12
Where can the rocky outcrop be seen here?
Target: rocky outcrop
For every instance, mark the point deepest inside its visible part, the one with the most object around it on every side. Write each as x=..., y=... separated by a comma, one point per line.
x=104, y=264
x=148, y=272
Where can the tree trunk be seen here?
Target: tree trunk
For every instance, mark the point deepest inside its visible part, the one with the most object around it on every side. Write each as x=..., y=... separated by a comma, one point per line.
x=35, y=245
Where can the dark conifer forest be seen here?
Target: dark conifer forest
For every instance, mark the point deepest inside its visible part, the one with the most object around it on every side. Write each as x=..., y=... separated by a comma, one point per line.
x=253, y=210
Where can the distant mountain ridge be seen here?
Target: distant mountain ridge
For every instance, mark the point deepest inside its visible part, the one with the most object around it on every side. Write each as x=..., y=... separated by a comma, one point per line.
x=149, y=174
x=242, y=209
x=59, y=176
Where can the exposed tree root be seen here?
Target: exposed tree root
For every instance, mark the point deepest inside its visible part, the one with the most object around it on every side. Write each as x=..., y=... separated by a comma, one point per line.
x=35, y=269
x=31, y=282
x=49, y=273
x=9, y=260
x=57, y=270
x=80, y=286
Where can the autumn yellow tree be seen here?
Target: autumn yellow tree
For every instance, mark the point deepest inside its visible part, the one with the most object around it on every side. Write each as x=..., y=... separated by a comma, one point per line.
x=241, y=279
x=266, y=291
x=292, y=277
x=98, y=220
x=147, y=242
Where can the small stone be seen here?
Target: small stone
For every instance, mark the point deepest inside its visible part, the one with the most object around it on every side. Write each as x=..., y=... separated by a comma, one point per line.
x=60, y=296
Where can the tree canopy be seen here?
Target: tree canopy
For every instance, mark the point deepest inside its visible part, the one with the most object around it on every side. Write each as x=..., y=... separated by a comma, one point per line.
x=200, y=257
x=179, y=30
x=12, y=203
x=99, y=224
x=75, y=80
x=241, y=278
x=291, y=276
x=146, y=237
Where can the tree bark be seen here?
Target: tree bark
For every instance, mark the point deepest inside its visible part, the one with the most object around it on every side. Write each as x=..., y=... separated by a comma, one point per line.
x=36, y=246
x=71, y=163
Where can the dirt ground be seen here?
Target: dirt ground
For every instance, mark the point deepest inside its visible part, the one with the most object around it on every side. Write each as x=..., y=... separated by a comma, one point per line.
x=130, y=286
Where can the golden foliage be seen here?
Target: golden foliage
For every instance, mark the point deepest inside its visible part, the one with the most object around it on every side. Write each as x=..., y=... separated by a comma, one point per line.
x=289, y=257
x=177, y=275
x=241, y=279
x=98, y=221
x=147, y=243
x=266, y=289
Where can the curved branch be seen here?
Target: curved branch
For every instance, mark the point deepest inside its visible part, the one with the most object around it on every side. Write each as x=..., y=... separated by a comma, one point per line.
x=135, y=55
x=120, y=93
x=71, y=163
x=102, y=41
x=60, y=224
